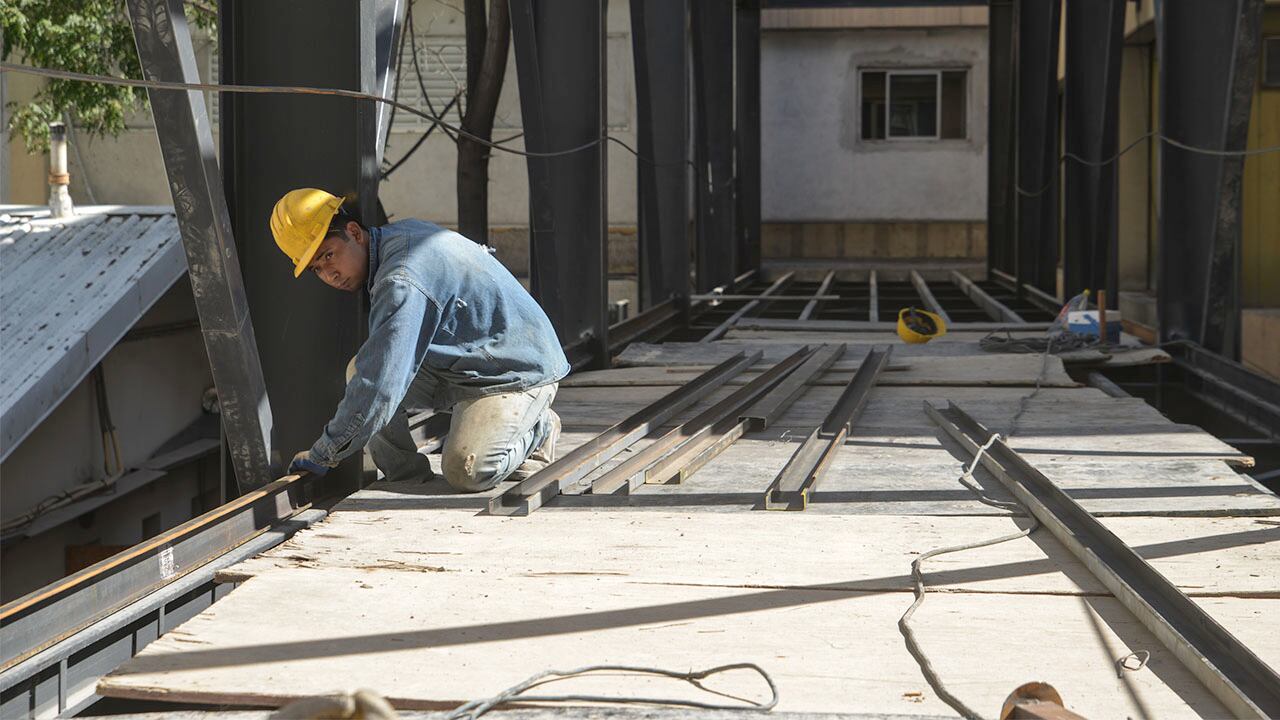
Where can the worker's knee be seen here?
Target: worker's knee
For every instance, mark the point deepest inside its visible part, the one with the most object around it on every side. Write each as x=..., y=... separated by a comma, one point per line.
x=465, y=470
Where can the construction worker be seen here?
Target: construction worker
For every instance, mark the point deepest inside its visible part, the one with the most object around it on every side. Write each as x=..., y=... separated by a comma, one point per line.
x=450, y=330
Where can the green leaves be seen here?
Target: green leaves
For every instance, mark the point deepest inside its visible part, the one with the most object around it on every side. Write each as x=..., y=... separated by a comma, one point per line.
x=87, y=36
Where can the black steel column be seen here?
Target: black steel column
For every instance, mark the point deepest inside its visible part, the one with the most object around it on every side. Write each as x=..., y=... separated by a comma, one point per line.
x=186, y=143
x=660, y=40
x=559, y=47
x=747, y=96
x=1208, y=59
x=1091, y=99
x=1037, y=118
x=275, y=143
x=1002, y=63
x=713, y=104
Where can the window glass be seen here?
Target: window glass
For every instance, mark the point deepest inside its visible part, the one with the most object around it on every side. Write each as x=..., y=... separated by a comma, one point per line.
x=954, y=102
x=873, y=105
x=913, y=105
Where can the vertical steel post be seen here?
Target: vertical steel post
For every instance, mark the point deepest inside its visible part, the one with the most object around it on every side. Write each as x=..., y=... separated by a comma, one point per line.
x=1208, y=63
x=559, y=49
x=1002, y=63
x=747, y=96
x=713, y=33
x=660, y=41
x=186, y=143
x=1037, y=237
x=1095, y=35
x=274, y=143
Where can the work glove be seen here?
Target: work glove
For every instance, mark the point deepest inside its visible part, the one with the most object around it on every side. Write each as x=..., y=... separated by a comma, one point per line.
x=301, y=463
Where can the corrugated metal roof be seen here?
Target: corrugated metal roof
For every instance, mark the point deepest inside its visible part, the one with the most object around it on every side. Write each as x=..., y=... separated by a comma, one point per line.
x=69, y=289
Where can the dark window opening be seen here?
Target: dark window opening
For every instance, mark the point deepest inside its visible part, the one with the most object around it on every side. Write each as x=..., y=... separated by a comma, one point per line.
x=919, y=104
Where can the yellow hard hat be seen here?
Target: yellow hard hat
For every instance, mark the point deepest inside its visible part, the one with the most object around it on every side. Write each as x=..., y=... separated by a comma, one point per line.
x=300, y=221
x=913, y=335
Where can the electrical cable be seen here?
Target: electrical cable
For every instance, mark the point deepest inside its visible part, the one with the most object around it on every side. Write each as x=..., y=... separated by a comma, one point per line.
x=476, y=708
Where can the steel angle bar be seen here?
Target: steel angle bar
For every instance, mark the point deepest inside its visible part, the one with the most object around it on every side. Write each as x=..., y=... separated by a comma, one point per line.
x=57, y=611
x=766, y=410
x=629, y=474
x=873, y=298
x=991, y=306
x=530, y=494
x=853, y=400
x=790, y=489
x=710, y=441
x=812, y=305
x=751, y=307
x=922, y=289
x=1230, y=670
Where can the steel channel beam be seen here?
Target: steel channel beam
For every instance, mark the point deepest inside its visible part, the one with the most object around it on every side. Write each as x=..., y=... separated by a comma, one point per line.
x=1208, y=59
x=532, y=493
x=873, y=299
x=773, y=298
x=1228, y=371
x=1002, y=63
x=708, y=442
x=769, y=408
x=1037, y=142
x=747, y=131
x=926, y=295
x=818, y=296
x=1231, y=399
x=182, y=124
x=86, y=655
x=997, y=310
x=791, y=487
x=750, y=308
x=641, y=325
x=1091, y=112
x=713, y=142
x=785, y=325
x=53, y=613
x=560, y=68
x=1227, y=668
x=660, y=41
x=629, y=474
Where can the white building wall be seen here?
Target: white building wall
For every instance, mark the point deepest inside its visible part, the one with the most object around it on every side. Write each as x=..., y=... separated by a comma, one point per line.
x=816, y=167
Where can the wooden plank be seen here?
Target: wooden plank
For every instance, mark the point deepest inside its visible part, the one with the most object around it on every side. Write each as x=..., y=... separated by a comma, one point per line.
x=996, y=309
x=673, y=547
x=430, y=640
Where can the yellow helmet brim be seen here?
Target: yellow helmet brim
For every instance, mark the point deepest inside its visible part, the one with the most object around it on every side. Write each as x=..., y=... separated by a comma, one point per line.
x=310, y=254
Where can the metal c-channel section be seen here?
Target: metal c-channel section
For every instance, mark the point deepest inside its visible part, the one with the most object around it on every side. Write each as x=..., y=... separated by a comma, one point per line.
x=1227, y=668
x=630, y=474
x=710, y=441
x=770, y=407
x=530, y=494
x=790, y=489
x=50, y=614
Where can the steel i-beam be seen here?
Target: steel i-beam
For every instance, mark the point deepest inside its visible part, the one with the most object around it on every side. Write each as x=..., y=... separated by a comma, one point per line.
x=1227, y=668
x=1037, y=142
x=791, y=488
x=580, y=462
x=713, y=32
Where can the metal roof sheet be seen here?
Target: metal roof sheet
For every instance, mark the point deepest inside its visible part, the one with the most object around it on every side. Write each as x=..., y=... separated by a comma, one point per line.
x=69, y=289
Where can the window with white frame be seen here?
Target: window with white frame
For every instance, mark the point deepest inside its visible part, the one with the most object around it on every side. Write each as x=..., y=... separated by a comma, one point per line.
x=914, y=104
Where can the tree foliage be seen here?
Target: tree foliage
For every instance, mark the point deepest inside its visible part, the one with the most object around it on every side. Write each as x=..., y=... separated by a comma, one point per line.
x=86, y=36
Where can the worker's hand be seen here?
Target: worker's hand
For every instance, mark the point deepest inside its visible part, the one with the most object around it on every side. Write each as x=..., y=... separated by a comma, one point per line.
x=301, y=463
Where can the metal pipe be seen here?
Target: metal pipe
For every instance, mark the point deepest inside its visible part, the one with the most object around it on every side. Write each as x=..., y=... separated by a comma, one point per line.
x=60, y=204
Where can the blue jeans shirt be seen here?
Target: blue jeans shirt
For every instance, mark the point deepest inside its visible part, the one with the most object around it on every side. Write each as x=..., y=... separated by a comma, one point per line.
x=442, y=304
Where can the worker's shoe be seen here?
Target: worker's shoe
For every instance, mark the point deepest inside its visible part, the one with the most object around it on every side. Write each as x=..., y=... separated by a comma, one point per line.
x=545, y=454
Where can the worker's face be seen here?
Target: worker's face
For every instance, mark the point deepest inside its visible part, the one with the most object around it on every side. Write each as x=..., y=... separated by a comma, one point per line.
x=342, y=261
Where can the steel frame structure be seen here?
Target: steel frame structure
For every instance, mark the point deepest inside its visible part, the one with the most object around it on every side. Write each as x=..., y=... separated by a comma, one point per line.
x=747, y=132
x=714, y=145
x=1245, y=684
x=1208, y=54
x=560, y=67
x=1001, y=127
x=1037, y=144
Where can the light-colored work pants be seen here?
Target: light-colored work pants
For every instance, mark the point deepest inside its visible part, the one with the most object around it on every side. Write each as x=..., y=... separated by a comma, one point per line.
x=488, y=439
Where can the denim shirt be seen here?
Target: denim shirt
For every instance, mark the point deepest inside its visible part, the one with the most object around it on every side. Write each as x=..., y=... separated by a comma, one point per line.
x=442, y=304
